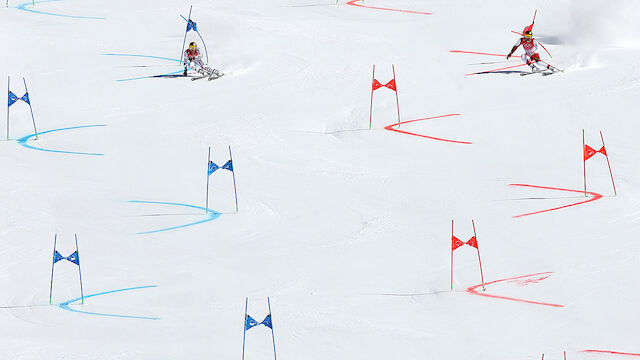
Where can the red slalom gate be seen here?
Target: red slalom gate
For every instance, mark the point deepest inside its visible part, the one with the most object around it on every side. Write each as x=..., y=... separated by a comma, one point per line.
x=594, y=197
x=473, y=242
x=375, y=85
x=565, y=356
x=472, y=290
x=393, y=86
x=589, y=152
x=355, y=3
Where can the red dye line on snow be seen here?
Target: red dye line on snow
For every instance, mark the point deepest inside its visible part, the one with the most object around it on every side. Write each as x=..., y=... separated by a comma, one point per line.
x=595, y=197
x=472, y=290
x=476, y=53
x=390, y=128
x=494, y=70
x=481, y=53
x=609, y=352
x=353, y=3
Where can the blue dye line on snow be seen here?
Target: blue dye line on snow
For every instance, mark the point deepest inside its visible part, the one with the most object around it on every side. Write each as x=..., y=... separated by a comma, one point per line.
x=23, y=141
x=23, y=7
x=149, y=57
x=211, y=215
x=65, y=305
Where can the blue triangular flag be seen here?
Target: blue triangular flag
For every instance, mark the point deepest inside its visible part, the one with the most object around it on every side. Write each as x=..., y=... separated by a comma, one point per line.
x=57, y=257
x=192, y=25
x=12, y=98
x=74, y=258
x=267, y=322
x=25, y=98
x=212, y=167
x=228, y=166
x=249, y=322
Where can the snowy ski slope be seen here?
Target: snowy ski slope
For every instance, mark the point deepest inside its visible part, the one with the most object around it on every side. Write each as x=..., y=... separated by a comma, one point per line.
x=348, y=231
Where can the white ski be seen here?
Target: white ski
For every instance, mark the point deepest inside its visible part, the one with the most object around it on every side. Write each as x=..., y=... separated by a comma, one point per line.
x=214, y=76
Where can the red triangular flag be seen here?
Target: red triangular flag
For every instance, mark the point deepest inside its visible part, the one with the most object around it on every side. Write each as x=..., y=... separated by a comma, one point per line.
x=456, y=243
x=392, y=85
x=588, y=152
x=603, y=151
x=376, y=85
x=473, y=242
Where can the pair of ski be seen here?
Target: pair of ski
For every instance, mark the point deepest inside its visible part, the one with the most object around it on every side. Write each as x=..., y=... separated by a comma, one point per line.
x=209, y=77
x=546, y=72
x=542, y=72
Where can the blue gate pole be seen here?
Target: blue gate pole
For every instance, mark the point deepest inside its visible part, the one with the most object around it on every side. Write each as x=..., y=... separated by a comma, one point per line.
x=185, y=35
x=206, y=207
x=30, y=108
x=273, y=336
x=234, y=178
x=79, y=270
x=55, y=238
x=8, y=92
x=244, y=325
x=205, y=46
x=198, y=32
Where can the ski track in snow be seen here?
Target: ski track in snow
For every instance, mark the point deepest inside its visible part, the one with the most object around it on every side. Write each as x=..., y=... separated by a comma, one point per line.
x=211, y=215
x=391, y=128
x=472, y=290
x=23, y=141
x=23, y=7
x=66, y=305
x=355, y=3
x=595, y=197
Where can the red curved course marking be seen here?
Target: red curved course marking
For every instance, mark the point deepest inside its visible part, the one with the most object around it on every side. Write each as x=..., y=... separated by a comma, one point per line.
x=609, y=352
x=390, y=128
x=595, y=197
x=353, y=3
x=472, y=290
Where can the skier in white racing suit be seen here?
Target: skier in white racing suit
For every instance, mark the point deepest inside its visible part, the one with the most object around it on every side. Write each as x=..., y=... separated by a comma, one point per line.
x=193, y=59
x=530, y=56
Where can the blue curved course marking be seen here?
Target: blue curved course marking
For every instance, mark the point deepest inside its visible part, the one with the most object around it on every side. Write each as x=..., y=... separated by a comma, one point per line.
x=65, y=305
x=149, y=57
x=24, y=8
x=211, y=215
x=23, y=141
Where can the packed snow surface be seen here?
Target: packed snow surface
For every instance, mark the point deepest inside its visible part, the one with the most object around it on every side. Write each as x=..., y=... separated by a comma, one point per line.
x=347, y=230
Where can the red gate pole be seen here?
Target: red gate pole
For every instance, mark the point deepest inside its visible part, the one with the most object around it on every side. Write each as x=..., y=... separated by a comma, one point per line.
x=609, y=164
x=584, y=165
x=478, y=248
x=373, y=78
x=397, y=101
x=452, y=255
